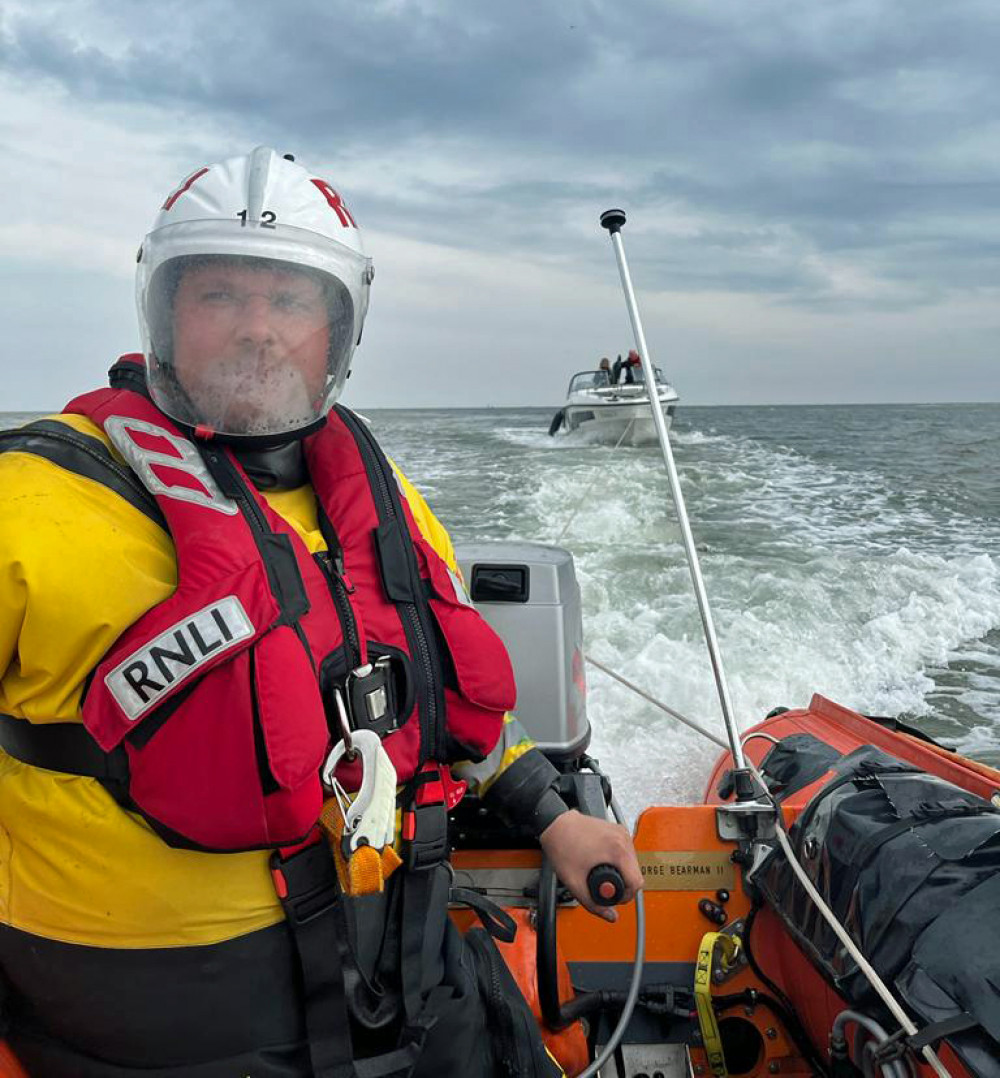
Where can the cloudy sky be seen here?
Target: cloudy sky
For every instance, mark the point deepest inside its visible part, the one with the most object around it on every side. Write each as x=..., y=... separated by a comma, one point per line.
x=813, y=188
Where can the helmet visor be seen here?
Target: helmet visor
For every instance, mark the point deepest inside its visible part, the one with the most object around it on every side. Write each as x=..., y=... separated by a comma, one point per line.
x=246, y=345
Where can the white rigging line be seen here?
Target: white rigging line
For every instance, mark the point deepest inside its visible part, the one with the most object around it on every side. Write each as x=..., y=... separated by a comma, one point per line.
x=598, y=472
x=800, y=874
x=656, y=703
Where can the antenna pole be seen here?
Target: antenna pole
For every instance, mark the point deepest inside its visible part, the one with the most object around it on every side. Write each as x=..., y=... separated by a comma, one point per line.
x=613, y=221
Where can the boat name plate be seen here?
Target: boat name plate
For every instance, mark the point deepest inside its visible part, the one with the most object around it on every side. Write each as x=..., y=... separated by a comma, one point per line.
x=686, y=870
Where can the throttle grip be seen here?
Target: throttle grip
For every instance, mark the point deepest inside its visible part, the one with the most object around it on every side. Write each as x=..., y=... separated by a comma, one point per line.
x=605, y=884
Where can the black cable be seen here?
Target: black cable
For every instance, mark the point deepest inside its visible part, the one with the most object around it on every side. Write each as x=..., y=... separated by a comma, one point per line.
x=761, y=975
x=620, y=1062
x=750, y=997
x=795, y=1028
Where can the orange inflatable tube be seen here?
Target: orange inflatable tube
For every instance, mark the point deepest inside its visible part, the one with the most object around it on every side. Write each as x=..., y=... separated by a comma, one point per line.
x=9, y=1066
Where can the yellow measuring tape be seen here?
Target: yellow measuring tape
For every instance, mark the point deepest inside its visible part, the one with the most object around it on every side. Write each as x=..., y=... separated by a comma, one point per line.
x=711, y=1039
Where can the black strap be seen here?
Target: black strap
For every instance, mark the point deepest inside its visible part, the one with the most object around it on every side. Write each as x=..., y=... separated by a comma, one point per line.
x=895, y=1047
x=417, y=893
x=309, y=892
x=396, y=1064
x=925, y=812
x=62, y=746
x=861, y=774
x=525, y=796
x=312, y=905
x=83, y=455
x=496, y=920
x=405, y=587
x=275, y=548
x=947, y=1027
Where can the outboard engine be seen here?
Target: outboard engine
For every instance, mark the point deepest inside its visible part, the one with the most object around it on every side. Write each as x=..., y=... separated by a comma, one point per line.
x=529, y=594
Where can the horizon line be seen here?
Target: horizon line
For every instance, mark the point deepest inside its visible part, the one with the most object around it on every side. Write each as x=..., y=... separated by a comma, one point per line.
x=547, y=407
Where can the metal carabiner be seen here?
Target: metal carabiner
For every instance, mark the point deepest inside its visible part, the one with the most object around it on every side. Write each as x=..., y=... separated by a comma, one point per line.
x=345, y=726
x=368, y=744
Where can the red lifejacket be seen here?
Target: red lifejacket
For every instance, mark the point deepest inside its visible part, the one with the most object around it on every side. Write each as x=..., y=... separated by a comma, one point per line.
x=221, y=695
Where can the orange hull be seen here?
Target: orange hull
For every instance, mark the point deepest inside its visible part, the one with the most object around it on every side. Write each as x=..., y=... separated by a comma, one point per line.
x=9, y=1066
x=844, y=730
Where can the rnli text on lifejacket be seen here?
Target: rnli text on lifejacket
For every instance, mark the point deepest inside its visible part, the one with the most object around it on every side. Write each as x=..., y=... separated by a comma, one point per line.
x=140, y=681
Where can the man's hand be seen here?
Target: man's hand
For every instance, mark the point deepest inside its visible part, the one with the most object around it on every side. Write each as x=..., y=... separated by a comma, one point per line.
x=575, y=844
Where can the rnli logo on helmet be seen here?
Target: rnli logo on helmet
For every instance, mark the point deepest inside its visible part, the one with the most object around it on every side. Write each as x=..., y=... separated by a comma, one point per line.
x=335, y=202
x=146, y=676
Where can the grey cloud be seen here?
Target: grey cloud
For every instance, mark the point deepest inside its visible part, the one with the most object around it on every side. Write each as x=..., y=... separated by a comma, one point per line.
x=787, y=129
x=297, y=67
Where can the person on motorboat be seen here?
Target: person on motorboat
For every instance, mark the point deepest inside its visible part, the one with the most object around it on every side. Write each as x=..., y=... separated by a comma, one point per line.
x=220, y=605
x=616, y=371
x=632, y=367
x=605, y=365
x=624, y=371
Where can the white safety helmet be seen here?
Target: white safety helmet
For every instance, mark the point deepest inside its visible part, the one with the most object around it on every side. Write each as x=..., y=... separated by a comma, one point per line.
x=252, y=289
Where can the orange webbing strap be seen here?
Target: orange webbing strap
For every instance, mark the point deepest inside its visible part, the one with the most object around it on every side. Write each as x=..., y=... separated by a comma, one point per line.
x=9, y=1066
x=367, y=869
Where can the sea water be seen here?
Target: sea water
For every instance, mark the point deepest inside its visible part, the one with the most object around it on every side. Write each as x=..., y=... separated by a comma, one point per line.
x=852, y=551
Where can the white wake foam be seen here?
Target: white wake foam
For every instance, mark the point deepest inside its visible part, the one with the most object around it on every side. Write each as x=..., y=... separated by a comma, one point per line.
x=812, y=590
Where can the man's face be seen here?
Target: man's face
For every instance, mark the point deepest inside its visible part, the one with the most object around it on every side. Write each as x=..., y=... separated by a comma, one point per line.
x=250, y=345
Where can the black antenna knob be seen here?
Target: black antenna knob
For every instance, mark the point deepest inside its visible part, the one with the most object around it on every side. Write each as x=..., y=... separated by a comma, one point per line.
x=613, y=220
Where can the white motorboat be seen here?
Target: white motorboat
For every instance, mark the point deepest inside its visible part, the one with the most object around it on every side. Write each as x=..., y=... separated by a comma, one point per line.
x=619, y=414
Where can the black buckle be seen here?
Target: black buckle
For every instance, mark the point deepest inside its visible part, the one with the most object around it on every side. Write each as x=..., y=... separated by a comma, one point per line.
x=425, y=822
x=369, y=696
x=428, y=846
x=306, y=882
